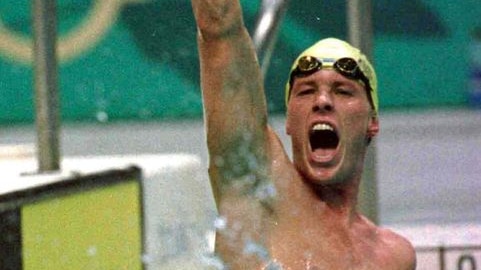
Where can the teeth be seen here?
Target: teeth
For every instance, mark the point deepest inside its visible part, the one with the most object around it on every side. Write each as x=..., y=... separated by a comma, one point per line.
x=322, y=127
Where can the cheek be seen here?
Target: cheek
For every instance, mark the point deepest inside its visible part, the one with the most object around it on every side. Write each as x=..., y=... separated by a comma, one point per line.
x=293, y=119
x=358, y=120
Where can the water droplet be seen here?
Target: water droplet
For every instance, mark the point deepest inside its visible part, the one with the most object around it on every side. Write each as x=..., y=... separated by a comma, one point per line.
x=102, y=116
x=273, y=265
x=265, y=192
x=213, y=261
x=219, y=161
x=92, y=251
x=254, y=248
x=147, y=259
x=220, y=223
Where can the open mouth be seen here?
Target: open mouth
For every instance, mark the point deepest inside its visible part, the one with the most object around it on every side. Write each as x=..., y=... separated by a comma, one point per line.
x=323, y=137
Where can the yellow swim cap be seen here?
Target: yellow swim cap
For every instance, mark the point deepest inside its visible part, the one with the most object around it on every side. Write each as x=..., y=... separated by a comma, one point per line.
x=328, y=51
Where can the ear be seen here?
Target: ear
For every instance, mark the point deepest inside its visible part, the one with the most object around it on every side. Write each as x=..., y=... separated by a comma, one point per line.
x=288, y=126
x=373, y=126
x=288, y=122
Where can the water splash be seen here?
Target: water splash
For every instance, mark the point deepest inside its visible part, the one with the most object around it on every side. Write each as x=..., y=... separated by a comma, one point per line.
x=220, y=223
x=147, y=259
x=266, y=191
x=254, y=248
x=213, y=261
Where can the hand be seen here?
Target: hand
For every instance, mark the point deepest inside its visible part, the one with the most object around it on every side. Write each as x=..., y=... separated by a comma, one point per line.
x=217, y=18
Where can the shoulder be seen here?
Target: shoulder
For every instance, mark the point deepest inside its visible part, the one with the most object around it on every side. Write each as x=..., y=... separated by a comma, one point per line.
x=400, y=249
x=392, y=248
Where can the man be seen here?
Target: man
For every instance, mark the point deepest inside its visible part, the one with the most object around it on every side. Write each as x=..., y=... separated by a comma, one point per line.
x=280, y=214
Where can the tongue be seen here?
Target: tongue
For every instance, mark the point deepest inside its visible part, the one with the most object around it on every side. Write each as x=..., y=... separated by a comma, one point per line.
x=321, y=153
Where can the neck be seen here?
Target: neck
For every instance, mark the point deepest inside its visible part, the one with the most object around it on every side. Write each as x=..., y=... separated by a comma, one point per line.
x=339, y=198
x=333, y=201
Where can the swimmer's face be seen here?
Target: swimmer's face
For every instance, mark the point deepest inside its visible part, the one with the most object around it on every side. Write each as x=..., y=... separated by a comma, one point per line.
x=330, y=120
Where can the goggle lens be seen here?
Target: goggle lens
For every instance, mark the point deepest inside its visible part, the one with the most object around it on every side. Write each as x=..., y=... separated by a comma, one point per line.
x=307, y=64
x=347, y=67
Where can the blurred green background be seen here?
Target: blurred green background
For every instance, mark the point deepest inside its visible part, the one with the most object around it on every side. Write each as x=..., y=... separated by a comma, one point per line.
x=145, y=66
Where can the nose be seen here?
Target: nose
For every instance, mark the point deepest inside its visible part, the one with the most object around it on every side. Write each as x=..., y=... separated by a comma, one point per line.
x=323, y=103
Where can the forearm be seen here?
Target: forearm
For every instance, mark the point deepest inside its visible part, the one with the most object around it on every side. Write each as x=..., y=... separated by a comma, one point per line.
x=232, y=88
x=231, y=81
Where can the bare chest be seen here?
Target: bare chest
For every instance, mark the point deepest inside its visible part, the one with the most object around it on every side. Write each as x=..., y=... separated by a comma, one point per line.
x=318, y=250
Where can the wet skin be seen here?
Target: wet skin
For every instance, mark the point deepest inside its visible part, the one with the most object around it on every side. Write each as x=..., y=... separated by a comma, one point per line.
x=329, y=98
x=299, y=214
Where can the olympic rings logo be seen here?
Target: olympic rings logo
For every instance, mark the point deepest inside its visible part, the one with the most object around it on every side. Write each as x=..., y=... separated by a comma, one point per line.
x=85, y=36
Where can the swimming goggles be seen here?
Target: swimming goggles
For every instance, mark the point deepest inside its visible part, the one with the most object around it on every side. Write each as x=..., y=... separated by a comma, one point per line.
x=346, y=66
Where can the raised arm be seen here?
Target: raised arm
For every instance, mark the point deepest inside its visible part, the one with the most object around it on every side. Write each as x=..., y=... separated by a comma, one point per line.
x=233, y=95
x=237, y=132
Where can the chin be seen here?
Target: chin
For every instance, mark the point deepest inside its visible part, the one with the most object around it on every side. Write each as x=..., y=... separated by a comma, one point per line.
x=329, y=176
x=321, y=177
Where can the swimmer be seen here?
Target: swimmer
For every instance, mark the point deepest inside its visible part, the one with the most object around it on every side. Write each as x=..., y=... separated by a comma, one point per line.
x=278, y=213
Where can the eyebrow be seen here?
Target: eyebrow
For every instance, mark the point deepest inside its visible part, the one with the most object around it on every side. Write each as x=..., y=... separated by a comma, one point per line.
x=351, y=84
x=337, y=81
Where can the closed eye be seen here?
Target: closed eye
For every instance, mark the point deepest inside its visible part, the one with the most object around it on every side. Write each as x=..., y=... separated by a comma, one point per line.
x=305, y=92
x=344, y=92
